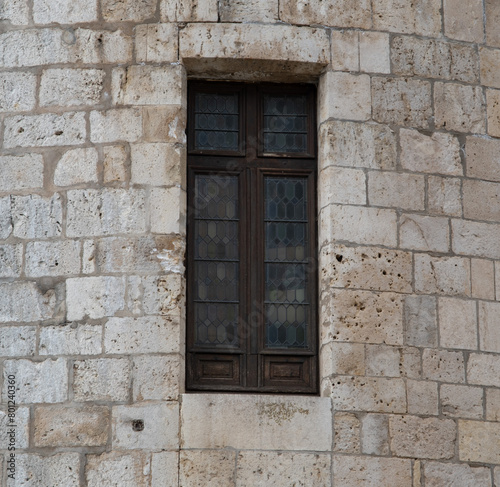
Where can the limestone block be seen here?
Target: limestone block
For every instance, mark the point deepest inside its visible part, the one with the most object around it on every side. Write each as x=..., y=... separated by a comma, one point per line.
x=464, y=21
x=17, y=91
x=167, y=210
x=248, y=11
x=103, y=212
x=402, y=101
x=114, y=164
x=443, y=366
x=48, y=129
x=422, y=397
x=370, y=394
x=64, y=11
x=372, y=268
x=358, y=224
x=25, y=302
x=165, y=469
x=165, y=124
x=375, y=434
x=161, y=427
x=17, y=341
x=479, y=441
x=98, y=46
x=11, y=260
x=416, y=437
x=71, y=339
x=163, y=295
x=88, y=257
x=483, y=279
x=282, y=469
x=16, y=12
x=57, y=426
x=189, y=10
x=69, y=87
x=382, y=360
x=76, y=166
x=365, y=471
x=346, y=431
x=492, y=9
x=411, y=363
x=60, y=470
x=461, y=401
x=21, y=172
x=36, y=217
x=483, y=158
x=156, y=378
x=345, y=50
x=342, y=185
x=38, y=382
x=493, y=405
x=474, y=238
x=481, y=200
x=493, y=110
x=490, y=58
x=128, y=10
x=399, y=190
x=489, y=315
x=374, y=56
x=344, y=95
x=104, y=379
x=339, y=13
x=156, y=43
x=52, y=258
x=343, y=358
x=247, y=422
x=148, y=334
x=6, y=224
x=442, y=275
x=439, y=474
x=420, y=320
x=118, y=469
x=210, y=468
x=22, y=422
x=444, y=196
x=457, y=323
x=124, y=124
x=422, y=17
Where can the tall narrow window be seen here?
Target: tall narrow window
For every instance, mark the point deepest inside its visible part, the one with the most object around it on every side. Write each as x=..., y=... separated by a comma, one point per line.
x=252, y=298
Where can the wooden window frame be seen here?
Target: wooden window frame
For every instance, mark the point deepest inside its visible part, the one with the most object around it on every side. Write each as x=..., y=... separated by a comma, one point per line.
x=251, y=367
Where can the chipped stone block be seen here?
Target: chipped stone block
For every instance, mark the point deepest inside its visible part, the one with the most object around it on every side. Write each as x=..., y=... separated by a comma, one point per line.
x=346, y=430
x=189, y=10
x=483, y=158
x=124, y=124
x=118, y=469
x=439, y=474
x=163, y=295
x=493, y=405
x=481, y=200
x=115, y=164
x=345, y=50
x=443, y=366
x=15, y=12
x=128, y=10
x=457, y=323
x=343, y=358
x=483, y=279
x=420, y=320
x=167, y=208
x=489, y=315
x=64, y=11
x=400, y=190
x=57, y=426
x=21, y=418
x=11, y=260
x=375, y=434
x=76, y=166
x=475, y=238
x=165, y=124
x=17, y=341
x=248, y=11
x=104, y=379
x=52, y=258
x=464, y=21
x=479, y=441
x=483, y=369
x=461, y=401
x=342, y=185
x=382, y=360
x=17, y=91
x=374, y=54
x=157, y=378
x=493, y=111
x=444, y=196
x=60, y=470
x=156, y=43
x=71, y=339
x=422, y=397
x=210, y=468
x=165, y=469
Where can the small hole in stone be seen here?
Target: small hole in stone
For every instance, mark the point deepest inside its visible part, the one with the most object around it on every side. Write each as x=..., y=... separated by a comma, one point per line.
x=339, y=257
x=58, y=132
x=138, y=425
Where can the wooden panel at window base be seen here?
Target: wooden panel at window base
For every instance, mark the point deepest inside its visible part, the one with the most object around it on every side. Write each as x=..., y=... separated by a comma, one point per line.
x=214, y=369
x=288, y=372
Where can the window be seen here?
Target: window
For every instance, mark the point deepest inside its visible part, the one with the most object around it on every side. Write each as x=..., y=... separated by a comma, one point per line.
x=251, y=261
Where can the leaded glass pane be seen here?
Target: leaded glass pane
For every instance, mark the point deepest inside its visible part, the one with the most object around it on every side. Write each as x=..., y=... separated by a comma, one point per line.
x=216, y=324
x=216, y=197
x=286, y=198
x=286, y=283
x=286, y=325
x=216, y=281
x=216, y=239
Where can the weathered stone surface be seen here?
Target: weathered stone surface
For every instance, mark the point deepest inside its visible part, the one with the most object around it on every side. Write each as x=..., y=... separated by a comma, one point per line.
x=165, y=124
x=165, y=469
x=420, y=321
x=492, y=18
x=52, y=258
x=402, y=101
x=444, y=196
x=15, y=12
x=115, y=168
x=167, y=210
x=104, y=379
x=36, y=217
x=155, y=43
x=68, y=426
x=475, y=238
x=415, y=437
x=382, y=360
x=490, y=58
x=343, y=358
x=489, y=315
x=76, y=166
x=163, y=295
x=345, y=50
x=483, y=279
x=38, y=382
x=21, y=419
x=479, y=441
x=372, y=268
x=342, y=185
x=88, y=257
x=128, y=10
x=400, y=190
x=411, y=363
x=457, y=323
x=256, y=422
x=440, y=474
x=17, y=341
x=375, y=434
x=481, y=200
x=464, y=22
x=124, y=124
x=189, y=11
x=6, y=223
x=11, y=260
x=118, y=469
x=48, y=129
x=422, y=397
x=493, y=111
x=210, y=468
x=21, y=172
x=17, y=91
x=346, y=431
x=161, y=427
x=483, y=369
x=461, y=401
x=374, y=56
x=364, y=471
x=64, y=11
x=248, y=11
x=157, y=378
x=444, y=366
x=493, y=405
x=483, y=158
x=71, y=339
x=158, y=164
x=282, y=469
x=422, y=17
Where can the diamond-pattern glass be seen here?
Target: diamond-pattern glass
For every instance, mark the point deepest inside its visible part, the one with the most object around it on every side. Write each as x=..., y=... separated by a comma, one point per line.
x=216, y=197
x=286, y=326
x=216, y=324
x=216, y=121
x=286, y=283
x=285, y=123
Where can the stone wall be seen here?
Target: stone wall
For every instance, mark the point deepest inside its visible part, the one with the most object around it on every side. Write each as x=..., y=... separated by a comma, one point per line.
x=92, y=229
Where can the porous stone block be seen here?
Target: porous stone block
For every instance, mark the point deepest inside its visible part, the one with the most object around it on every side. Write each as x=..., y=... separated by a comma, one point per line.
x=483, y=279
x=52, y=258
x=443, y=366
x=21, y=172
x=492, y=10
x=346, y=433
x=38, y=382
x=71, y=87
x=365, y=471
x=60, y=470
x=17, y=341
x=94, y=212
x=248, y=11
x=368, y=268
x=422, y=397
x=374, y=56
x=163, y=295
x=123, y=124
x=56, y=426
x=128, y=10
x=479, y=441
x=282, y=469
x=483, y=158
x=167, y=209
x=345, y=50
x=464, y=21
x=439, y=474
x=481, y=200
x=401, y=101
x=382, y=360
x=247, y=422
x=343, y=358
x=165, y=469
x=64, y=11
x=157, y=378
x=411, y=363
x=6, y=223
x=71, y=339
x=88, y=257
x=483, y=369
x=422, y=17
x=17, y=91
x=104, y=379
x=490, y=59
x=345, y=96
x=493, y=111
x=15, y=12
x=210, y=468
x=189, y=10
x=493, y=405
x=45, y=130
x=165, y=124
x=489, y=316
x=375, y=434
x=444, y=196
x=457, y=323
x=416, y=437
x=461, y=401
x=34, y=216
x=115, y=167
x=400, y=190
x=339, y=13
x=156, y=43
x=97, y=46
x=475, y=238
x=76, y=166
x=420, y=321
x=118, y=469
x=21, y=419
x=342, y=185
x=161, y=427
x=11, y=260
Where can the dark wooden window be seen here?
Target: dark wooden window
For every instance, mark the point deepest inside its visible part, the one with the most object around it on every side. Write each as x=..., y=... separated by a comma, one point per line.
x=251, y=262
